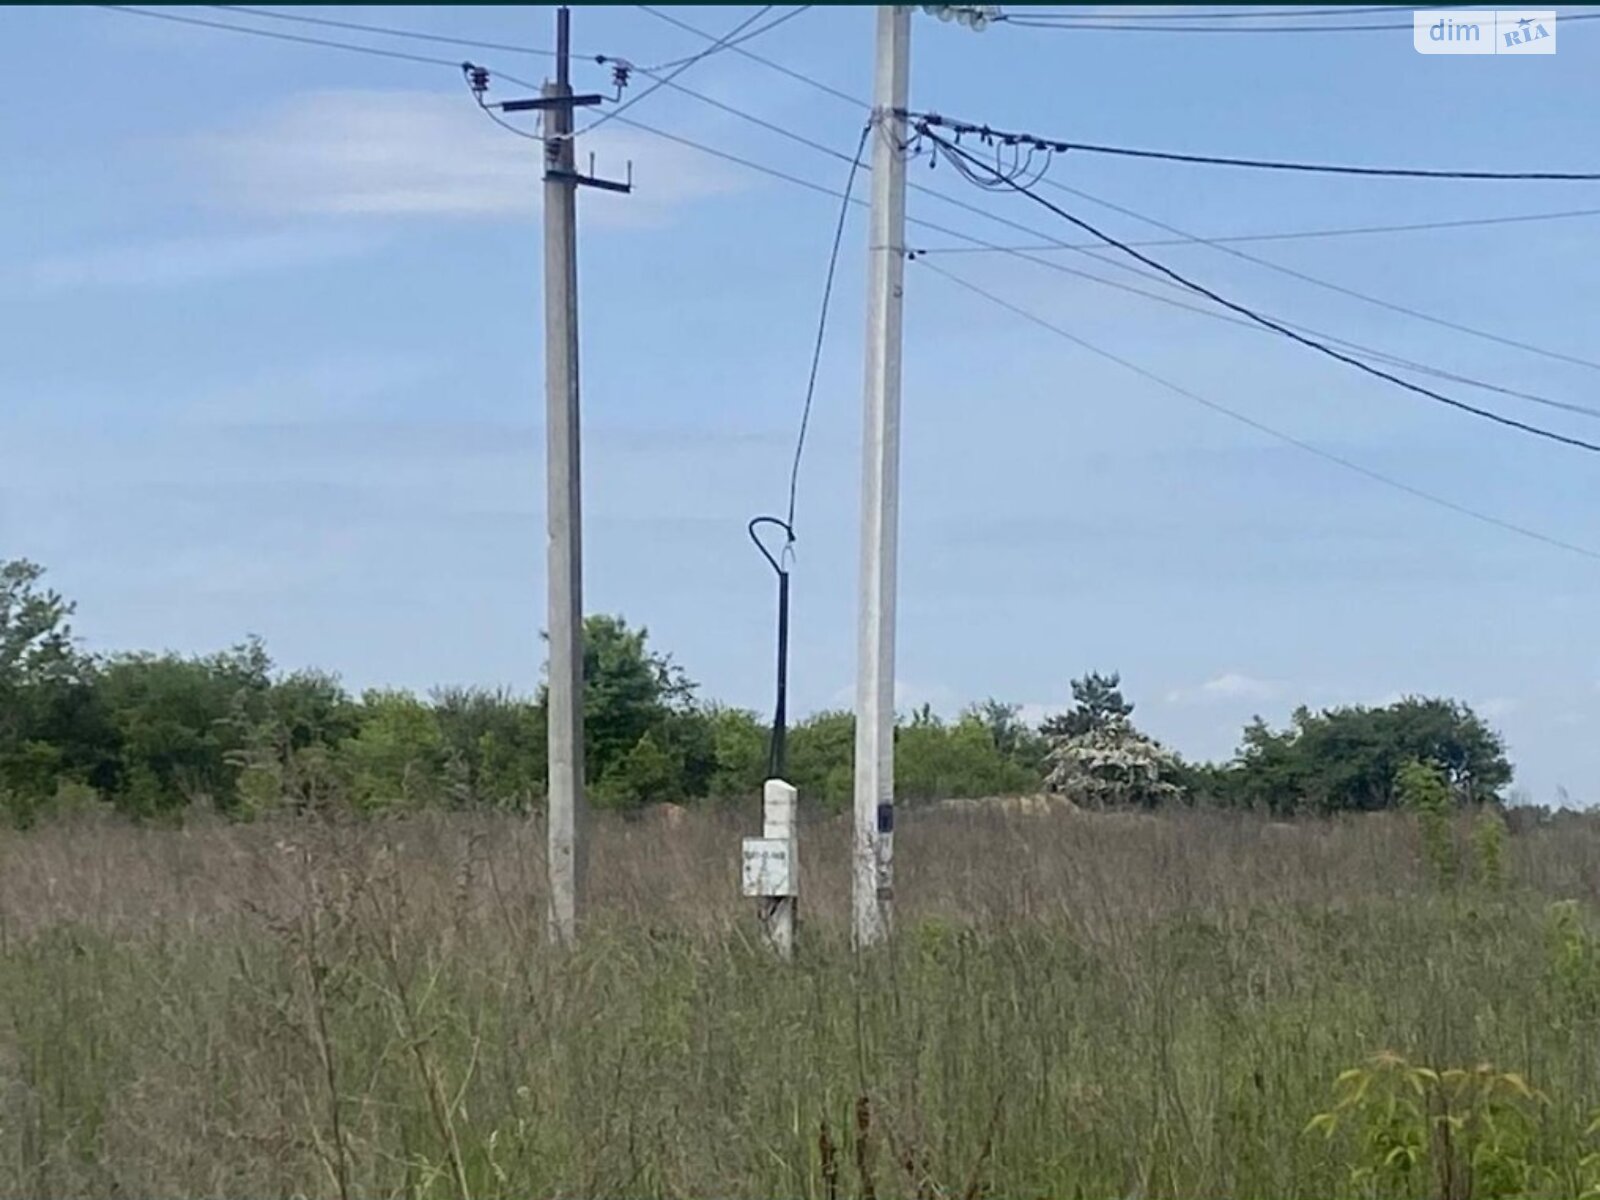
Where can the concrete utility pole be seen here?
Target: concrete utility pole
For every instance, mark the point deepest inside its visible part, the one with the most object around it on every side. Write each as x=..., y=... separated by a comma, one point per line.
x=567, y=809
x=563, y=483
x=872, y=870
x=873, y=864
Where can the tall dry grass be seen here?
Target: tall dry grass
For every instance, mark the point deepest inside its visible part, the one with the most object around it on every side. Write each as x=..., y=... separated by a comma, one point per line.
x=1094, y=1006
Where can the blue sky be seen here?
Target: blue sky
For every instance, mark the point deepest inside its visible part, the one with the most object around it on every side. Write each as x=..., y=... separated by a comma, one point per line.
x=270, y=361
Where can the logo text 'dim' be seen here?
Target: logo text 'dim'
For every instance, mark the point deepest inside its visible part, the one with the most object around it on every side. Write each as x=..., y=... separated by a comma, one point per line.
x=1484, y=31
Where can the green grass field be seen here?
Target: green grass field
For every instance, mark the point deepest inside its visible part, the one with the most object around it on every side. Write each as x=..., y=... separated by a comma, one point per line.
x=1073, y=1006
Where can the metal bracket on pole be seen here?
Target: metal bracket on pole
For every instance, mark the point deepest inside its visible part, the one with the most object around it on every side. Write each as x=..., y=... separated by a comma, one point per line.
x=555, y=172
x=544, y=103
x=609, y=185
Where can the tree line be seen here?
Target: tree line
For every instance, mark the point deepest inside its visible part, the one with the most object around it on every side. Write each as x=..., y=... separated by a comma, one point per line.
x=153, y=734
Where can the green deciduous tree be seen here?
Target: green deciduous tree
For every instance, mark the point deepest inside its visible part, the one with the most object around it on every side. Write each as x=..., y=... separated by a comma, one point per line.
x=398, y=758
x=496, y=747
x=52, y=729
x=627, y=689
x=181, y=723
x=822, y=754
x=1348, y=759
x=153, y=733
x=741, y=743
x=645, y=738
x=291, y=743
x=35, y=637
x=938, y=761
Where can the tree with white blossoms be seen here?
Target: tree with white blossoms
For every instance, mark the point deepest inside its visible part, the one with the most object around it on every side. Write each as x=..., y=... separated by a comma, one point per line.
x=1099, y=760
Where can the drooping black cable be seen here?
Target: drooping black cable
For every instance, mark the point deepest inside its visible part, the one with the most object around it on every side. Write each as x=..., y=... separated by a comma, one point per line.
x=1290, y=439
x=822, y=322
x=1175, y=301
x=976, y=243
x=1327, y=284
x=1019, y=251
x=964, y=161
x=1063, y=146
x=981, y=244
x=1022, y=254
x=1296, y=235
x=779, y=561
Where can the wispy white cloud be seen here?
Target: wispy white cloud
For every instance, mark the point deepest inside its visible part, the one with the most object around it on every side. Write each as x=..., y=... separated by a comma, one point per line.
x=176, y=262
x=430, y=154
x=1229, y=686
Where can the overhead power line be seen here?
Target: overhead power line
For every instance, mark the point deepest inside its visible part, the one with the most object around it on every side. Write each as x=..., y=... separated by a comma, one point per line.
x=1176, y=299
x=1120, y=24
x=981, y=244
x=1200, y=14
x=737, y=160
x=724, y=42
x=811, y=185
x=734, y=39
x=731, y=43
x=1026, y=22
x=756, y=58
x=1260, y=426
x=736, y=44
x=654, y=72
x=1029, y=141
x=1112, y=26
x=477, y=43
x=382, y=30
x=1294, y=235
x=1329, y=285
x=963, y=160
x=1187, y=239
x=975, y=243
x=375, y=51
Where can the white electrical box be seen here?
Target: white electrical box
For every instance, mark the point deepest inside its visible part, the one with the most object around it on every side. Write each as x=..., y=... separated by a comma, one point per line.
x=769, y=867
